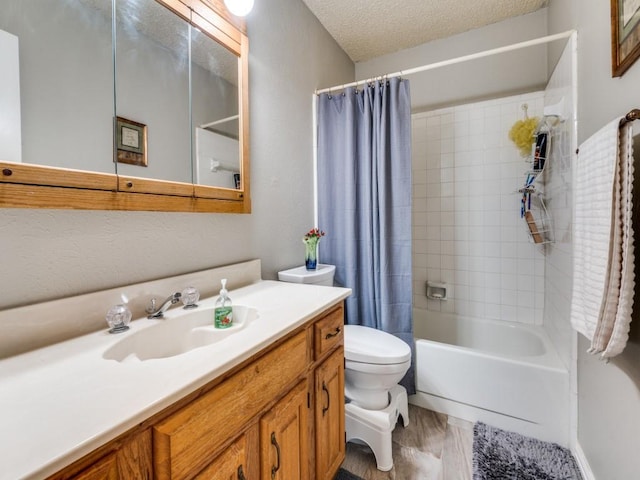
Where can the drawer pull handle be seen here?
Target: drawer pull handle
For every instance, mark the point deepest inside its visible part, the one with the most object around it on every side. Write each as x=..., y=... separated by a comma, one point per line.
x=331, y=335
x=274, y=442
x=326, y=390
x=241, y=474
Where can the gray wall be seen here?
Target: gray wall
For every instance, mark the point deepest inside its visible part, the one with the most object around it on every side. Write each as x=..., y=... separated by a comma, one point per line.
x=47, y=254
x=608, y=394
x=515, y=72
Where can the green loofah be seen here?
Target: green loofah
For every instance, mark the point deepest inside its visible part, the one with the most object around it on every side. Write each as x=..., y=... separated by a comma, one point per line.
x=522, y=134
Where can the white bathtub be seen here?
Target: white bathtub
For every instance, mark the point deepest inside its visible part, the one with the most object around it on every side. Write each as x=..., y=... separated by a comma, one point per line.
x=502, y=373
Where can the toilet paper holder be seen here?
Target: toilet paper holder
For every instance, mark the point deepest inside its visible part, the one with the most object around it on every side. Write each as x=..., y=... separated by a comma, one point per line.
x=436, y=291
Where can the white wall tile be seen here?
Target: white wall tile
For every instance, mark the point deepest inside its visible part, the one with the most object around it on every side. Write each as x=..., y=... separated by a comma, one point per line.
x=470, y=228
x=447, y=262
x=446, y=234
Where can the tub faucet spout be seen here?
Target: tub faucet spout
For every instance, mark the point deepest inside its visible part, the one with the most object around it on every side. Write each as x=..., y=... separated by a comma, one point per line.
x=159, y=312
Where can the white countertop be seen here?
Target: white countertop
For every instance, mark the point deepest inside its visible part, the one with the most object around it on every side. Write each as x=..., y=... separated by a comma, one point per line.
x=61, y=402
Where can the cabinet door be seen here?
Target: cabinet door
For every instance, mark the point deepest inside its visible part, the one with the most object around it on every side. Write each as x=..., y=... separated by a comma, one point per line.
x=284, y=441
x=329, y=416
x=236, y=462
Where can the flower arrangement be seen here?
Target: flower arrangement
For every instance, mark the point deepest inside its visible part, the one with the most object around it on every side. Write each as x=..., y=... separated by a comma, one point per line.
x=314, y=233
x=311, y=239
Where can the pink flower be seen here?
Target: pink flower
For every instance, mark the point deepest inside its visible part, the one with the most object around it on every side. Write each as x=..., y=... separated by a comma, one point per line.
x=313, y=233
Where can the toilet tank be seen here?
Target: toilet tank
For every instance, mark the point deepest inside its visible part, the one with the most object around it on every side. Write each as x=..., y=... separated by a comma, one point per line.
x=323, y=275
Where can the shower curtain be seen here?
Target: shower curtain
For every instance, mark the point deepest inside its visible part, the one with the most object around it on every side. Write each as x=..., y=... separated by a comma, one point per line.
x=364, y=203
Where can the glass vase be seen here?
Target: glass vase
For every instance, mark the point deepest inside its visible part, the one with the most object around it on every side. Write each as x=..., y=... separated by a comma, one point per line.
x=311, y=253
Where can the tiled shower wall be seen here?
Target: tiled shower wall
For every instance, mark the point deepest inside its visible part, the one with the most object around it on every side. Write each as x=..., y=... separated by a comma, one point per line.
x=467, y=230
x=559, y=194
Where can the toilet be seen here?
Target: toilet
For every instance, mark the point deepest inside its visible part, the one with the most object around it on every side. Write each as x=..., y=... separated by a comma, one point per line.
x=375, y=361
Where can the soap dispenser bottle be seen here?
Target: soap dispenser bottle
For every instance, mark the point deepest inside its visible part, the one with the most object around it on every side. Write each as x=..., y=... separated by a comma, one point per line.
x=223, y=312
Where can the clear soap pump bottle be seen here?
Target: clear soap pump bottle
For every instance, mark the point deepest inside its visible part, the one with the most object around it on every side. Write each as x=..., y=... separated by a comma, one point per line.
x=223, y=312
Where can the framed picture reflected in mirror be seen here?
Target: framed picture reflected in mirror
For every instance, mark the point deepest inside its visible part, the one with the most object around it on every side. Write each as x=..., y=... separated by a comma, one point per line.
x=131, y=142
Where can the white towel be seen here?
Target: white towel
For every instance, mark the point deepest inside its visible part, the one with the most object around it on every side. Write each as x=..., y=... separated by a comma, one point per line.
x=620, y=332
x=603, y=274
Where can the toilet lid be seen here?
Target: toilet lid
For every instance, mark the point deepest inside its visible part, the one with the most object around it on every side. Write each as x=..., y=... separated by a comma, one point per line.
x=368, y=345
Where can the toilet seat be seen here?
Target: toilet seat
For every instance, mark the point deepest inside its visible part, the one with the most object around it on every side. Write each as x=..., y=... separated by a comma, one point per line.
x=367, y=345
x=378, y=368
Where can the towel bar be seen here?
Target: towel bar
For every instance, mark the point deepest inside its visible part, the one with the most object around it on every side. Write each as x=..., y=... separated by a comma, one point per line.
x=630, y=117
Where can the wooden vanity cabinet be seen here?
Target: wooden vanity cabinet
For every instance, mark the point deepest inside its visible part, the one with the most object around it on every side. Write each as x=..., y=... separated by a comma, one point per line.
x=284, y=443
x=188, y=440
x=120, y=460
x=105, y=469
x=329, y=394
x=329, y=416
x=277, y=416
x=239, y=461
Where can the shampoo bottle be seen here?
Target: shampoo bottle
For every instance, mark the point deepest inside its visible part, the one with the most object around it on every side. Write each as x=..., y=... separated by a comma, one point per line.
x=223, y=312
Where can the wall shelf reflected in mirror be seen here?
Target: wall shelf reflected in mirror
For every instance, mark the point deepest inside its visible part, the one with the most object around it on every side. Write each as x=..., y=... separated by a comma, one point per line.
x=179, y=70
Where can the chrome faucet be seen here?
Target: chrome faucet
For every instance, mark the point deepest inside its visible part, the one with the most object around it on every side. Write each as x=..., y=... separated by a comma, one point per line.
x=159, y=313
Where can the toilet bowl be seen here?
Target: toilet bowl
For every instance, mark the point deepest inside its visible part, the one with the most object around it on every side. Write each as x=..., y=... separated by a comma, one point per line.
x=375, y=361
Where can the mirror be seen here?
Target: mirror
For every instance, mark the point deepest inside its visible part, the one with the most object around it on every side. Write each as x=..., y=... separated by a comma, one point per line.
x=215, y=113
x=160, y=108
x=152, y=92
x=62, y=58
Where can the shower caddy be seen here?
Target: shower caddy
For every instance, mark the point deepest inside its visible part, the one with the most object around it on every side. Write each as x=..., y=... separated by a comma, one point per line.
x=532, y=206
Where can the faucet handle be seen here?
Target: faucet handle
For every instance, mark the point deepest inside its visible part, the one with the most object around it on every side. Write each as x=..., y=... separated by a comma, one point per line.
x=190, y=297
x=152, y=306
x=118, y=318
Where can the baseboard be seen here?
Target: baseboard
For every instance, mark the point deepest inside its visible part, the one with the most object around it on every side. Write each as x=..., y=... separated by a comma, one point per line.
x=583, y=464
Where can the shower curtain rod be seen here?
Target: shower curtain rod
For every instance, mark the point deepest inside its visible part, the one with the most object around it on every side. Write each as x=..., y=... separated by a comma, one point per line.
x=452, y=61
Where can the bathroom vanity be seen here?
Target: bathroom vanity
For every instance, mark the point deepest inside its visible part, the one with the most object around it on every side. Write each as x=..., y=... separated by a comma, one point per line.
x=266, y=401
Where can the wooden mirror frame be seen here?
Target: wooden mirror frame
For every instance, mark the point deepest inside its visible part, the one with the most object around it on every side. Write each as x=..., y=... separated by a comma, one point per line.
x=35, y=186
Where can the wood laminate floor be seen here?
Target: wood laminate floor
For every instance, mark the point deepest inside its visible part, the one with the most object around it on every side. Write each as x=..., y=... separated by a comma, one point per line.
x=432, y=447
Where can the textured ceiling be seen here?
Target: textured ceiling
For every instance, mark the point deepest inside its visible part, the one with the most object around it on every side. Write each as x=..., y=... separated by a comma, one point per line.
x=366, y=29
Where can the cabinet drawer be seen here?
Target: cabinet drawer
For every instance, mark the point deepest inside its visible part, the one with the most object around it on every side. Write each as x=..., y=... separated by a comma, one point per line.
x=185, y=441
x=329, y=332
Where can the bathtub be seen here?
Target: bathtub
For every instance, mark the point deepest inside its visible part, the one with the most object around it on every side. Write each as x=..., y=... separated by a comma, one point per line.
x=501, y=373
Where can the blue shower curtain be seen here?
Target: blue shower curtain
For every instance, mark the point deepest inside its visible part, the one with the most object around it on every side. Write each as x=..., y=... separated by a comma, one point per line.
x=364, y=202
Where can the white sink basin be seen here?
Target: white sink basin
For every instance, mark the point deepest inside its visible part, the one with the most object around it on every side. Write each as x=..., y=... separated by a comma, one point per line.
x=177, y=335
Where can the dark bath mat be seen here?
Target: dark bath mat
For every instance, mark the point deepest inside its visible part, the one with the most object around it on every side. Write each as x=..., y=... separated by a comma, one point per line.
x=345, y=475
x=502, y=455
